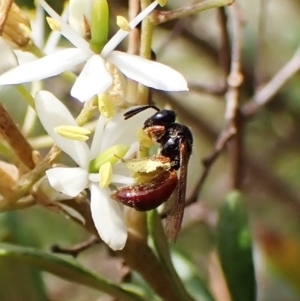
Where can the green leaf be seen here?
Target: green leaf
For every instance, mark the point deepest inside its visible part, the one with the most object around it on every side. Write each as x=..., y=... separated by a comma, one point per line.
x=163, y=252
x=235, y=248
x=188, y=273
x=65, y=268
x=192, y=282
x=28, y=279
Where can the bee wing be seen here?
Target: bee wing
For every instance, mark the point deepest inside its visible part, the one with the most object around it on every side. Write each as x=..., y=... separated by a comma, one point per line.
x=174, y=219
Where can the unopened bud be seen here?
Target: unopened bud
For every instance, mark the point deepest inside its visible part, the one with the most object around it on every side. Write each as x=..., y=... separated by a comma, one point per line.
x=99, y=25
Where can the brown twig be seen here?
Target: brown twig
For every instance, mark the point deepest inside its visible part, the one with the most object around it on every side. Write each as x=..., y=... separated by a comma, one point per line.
x=20, y=150
x=134, y=35
x=259, y=47
x=264, y=95
x=259, y=172
x=218, y=90
x=23, y=203
x=226, y=135
x=224, y=52
x=159, y=17
x=232, y=113
x=77, y=249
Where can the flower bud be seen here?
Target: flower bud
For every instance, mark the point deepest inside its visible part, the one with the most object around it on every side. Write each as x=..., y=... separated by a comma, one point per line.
x=99, y=25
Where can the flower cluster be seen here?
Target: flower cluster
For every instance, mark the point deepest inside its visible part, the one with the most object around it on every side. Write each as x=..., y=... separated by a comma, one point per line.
x=94, y=78
x=99, y=165
x=110, y=136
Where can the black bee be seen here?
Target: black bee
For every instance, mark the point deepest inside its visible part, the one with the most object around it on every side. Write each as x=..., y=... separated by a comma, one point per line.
x=176, y=143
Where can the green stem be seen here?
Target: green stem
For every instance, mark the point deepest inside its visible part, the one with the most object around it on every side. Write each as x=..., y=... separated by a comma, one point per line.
x=87, y=112
x=25, y=95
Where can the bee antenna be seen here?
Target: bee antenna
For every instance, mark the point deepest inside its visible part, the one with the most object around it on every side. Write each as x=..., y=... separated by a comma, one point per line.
x=138, y=110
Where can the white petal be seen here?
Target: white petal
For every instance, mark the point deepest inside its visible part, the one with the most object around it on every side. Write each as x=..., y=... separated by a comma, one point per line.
x=45, y=67
x=9, y=59
x=80, y=11
x=93, y=79
x=70, y=181
x=24, y=57
x=67, y=30
x=97, y=139
x=151, y=74
x=53, y=113
x=120, y=131
x=54, y=37
x=94, y=177
x=108, y=218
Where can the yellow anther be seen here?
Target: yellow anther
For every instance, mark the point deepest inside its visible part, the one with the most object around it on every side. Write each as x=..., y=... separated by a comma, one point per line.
x=162, y=2
x=144, y=139
x=105, y=174
x=105, y=106
x=54, y=24
x=123, y=23
x=73, y=132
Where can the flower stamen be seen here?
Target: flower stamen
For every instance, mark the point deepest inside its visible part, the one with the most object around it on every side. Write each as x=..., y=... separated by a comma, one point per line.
x=105, y=174
x=123, y=23
x=73, y=132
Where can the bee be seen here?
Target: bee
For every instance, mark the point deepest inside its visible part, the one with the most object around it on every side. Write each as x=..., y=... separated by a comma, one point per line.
x=176, y=143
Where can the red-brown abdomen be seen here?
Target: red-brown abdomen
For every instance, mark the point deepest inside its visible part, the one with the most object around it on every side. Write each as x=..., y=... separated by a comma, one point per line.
x=149, y=195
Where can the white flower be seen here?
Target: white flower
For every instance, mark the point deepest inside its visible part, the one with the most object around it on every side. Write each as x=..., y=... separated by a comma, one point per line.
x=94, y=78
x=106, y=213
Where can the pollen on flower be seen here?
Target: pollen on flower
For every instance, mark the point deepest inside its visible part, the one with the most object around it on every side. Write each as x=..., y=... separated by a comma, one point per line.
x=105, y=174
x=73, y=132
x=144, y=139
x=123, y=23
x=105, y=105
